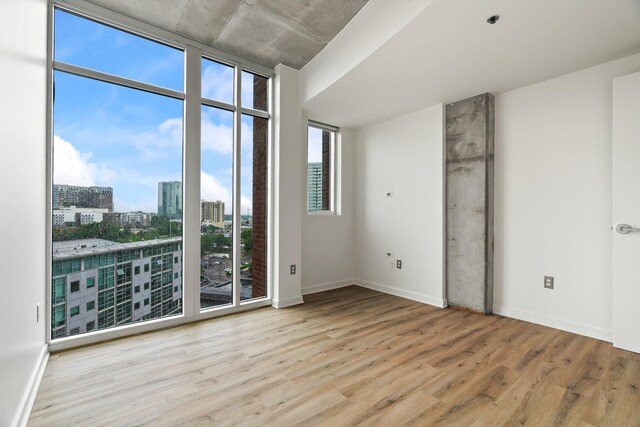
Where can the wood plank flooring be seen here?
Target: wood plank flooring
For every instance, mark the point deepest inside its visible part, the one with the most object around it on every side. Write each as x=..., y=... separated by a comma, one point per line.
x=346, y=357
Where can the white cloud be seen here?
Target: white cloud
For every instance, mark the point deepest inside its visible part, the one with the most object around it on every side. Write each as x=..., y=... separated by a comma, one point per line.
x=72, y=167
x=212, y=190
x=217, y=83
x=218, y=138
x=165, y=141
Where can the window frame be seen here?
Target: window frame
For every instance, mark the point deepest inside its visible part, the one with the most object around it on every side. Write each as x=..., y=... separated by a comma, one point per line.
x=333, y=166
x=192, y=99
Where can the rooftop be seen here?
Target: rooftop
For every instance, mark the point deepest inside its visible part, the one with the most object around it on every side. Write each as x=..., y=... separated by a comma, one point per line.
x=87, y=247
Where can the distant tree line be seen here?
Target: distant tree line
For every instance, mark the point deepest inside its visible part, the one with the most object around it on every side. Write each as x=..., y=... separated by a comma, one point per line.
x=158, y=228
x=212, y=238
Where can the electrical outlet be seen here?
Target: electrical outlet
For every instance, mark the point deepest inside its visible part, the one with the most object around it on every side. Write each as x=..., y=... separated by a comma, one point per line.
x=389, y=254
x=293, y=269
x=548, y=282
x=399, y=264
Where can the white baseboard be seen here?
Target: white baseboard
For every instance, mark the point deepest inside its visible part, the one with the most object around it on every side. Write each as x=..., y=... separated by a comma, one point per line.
x=427, y=299
x=306, y=290
x=287, y=302
x=26, y=403
x=554, y=322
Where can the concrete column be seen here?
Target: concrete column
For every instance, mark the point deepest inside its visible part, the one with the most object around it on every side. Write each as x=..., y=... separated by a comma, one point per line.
x=469, y=200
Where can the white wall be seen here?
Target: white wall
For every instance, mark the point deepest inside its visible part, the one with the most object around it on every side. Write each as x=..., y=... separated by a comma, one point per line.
x=404, y=156
x=553, y=200
x=22, y=184
x=288, y=182
x=328, y=240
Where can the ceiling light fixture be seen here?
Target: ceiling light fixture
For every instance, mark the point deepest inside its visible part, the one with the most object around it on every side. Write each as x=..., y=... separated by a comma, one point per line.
x=493, y=19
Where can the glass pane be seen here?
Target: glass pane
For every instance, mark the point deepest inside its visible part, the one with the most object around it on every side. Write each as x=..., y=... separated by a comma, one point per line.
x=319, y=169
x=253, y=270
x=216, y=208
x=88, y=44
x=117, y=204
x=217, y=81
x=254, y=91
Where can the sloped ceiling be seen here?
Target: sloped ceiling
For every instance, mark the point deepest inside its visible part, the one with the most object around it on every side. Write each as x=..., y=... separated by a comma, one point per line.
x=268, y=32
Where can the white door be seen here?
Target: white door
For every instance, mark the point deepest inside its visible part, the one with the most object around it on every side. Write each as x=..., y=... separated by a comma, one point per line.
x=626, y=212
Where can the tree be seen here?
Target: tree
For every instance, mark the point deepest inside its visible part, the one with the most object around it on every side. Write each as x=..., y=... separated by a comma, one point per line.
x=214, y=243
x=213, y=229
x=247, y=239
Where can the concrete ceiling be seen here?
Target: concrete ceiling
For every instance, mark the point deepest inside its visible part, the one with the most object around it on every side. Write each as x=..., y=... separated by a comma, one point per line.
x=268, y=32
x=448, y=52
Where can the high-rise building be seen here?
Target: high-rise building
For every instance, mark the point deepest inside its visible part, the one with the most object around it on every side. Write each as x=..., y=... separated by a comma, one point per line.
x=170, y=199
x=212, y=213
x=82, y=197
x=314, y=187
x=98, y=284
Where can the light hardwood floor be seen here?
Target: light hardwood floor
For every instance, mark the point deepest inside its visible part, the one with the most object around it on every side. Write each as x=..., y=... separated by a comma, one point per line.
x=346, y=357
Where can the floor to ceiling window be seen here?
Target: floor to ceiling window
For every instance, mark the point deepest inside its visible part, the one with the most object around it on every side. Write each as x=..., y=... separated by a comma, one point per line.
x=120, y=199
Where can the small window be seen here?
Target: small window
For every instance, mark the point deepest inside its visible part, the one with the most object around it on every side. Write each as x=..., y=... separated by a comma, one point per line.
x=136, y=270
x=175, y=289
x=175, y=260
x=175, y=275
x=146, y=301
x=91, y=281
x=321, y=171
x=91, y=305
x=91, y=326
x=136, y=306
x=74, y=311
x=146, y=286
x=75, y=286
x=136, y=289
x=146, y=268
x=74, y=331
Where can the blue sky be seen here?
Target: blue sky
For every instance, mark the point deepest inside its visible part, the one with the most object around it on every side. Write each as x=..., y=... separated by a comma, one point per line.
x=130, y=140
x=314, y=148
